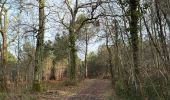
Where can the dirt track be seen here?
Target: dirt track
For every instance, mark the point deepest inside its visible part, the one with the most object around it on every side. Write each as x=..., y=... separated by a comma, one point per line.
x=94, y=91
x=89, y=89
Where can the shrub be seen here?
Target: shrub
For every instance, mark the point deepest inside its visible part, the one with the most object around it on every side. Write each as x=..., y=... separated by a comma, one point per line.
x=154, y=88
x=127, y=91
x=37, y=86
x=3, y=96
x=157, y=88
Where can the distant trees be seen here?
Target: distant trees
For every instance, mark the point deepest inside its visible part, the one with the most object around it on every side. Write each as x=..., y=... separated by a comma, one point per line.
x=91, y=65
x=61, y=47
x=134, y=37
x=11, y=57
x=87, y=33
x=97, y=63
x=60, y=53
x=76, y=23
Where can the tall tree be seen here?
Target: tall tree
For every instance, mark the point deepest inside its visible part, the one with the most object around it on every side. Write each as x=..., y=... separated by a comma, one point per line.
x=74, y=27
x=85, y=37
x=3, y=30
x=134, y=17
x=39, y=47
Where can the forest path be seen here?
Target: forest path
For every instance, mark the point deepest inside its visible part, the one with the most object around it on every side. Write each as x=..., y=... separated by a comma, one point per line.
x=88, y=89
x=95, y=91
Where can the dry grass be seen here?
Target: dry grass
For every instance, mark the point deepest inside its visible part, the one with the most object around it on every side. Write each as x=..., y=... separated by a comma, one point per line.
x=57, y=90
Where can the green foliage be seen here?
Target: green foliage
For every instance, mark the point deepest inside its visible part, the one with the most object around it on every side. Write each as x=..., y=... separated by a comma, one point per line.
x=91, y=56
x=28, y=50
x=80, y=18
x=92, y=70
x=2, y=88
x=47, y=49
x=11, y=57
x=97, y=63
x=73, y=56
x=27, y=47
x=127, y=91
x=146, y=5
x=3, y=96
x=156, y=88
x=60, y=47
x=37, y=86
x=80, y=68
x=120, y=87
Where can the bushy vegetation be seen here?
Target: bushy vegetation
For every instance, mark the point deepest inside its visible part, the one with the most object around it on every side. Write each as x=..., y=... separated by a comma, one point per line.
x=127, y=91
x=154, y=88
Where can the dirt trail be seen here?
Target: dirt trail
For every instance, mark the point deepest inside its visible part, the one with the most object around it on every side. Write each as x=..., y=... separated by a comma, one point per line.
x=89, y=89
x=93, y=92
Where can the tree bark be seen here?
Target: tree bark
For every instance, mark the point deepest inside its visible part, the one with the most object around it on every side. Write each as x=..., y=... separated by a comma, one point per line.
x=39, y=47
x=4, y=48
x=72, y=53
x=134, y=15
x=85, y=61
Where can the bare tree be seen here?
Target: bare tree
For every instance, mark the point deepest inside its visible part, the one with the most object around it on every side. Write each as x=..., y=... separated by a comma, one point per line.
x=134, y=17
x=39, y=47
x=3, y=30
x=74, y=26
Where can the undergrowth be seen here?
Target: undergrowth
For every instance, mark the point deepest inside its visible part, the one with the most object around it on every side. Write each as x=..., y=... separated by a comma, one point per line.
x=154, y=88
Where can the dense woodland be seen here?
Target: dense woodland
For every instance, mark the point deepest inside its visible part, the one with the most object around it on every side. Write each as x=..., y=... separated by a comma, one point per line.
x=48, y=45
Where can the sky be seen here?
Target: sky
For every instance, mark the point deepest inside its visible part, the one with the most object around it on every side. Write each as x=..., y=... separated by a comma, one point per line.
x=31, y=18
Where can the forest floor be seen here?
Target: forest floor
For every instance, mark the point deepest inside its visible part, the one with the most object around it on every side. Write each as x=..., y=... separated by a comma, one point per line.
x=97, y=90
x=88, y=89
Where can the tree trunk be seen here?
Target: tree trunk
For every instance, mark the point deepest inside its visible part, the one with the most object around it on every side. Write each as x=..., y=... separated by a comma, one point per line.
x=110, y=57
x=72, y=56
x=4, y=38
x=85, y=61
x=135, y=42
x=39, y=48
x=4, y=48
